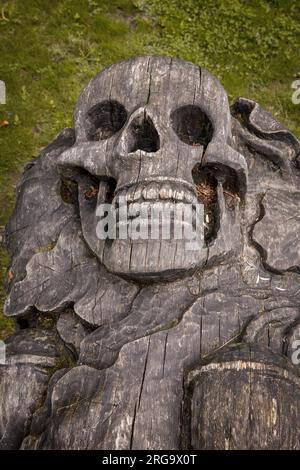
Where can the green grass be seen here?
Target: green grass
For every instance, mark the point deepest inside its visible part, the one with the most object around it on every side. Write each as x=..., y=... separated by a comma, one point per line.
x=50, y=49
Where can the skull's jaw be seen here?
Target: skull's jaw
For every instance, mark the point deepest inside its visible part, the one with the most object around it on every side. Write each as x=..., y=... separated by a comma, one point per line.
x=153, y=260
x=144, y=259
x=164, y=242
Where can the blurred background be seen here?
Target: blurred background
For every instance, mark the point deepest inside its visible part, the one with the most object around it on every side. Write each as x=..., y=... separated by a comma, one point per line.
x=50, y=49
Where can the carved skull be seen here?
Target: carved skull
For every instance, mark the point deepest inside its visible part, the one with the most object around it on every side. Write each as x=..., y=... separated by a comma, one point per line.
x=152, y=356
x=152, y=129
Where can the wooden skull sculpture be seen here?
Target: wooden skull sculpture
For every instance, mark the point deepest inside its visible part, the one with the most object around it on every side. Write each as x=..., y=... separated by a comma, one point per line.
x=145, y=139
x=143, y=344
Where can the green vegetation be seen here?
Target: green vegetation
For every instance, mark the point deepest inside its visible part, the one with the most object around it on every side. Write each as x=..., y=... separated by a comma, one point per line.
x=50, y=49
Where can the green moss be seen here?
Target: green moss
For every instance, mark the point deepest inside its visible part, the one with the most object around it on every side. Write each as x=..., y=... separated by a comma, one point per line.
x=49, y=50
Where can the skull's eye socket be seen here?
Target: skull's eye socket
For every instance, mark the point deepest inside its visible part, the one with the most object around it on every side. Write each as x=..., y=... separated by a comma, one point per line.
x=192, y=125
x=105, y=119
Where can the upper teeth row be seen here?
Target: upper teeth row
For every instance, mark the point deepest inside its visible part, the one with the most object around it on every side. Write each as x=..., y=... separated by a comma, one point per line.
x=154, y=191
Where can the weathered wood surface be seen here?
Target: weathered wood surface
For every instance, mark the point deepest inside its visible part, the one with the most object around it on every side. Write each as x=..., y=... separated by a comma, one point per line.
x=125, y=344
x=245, y=398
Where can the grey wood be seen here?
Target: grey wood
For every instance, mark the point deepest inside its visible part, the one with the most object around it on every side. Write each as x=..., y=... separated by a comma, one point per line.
x=148, y=344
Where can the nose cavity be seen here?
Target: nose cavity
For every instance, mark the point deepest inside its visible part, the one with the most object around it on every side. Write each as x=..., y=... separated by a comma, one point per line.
x=142, y=134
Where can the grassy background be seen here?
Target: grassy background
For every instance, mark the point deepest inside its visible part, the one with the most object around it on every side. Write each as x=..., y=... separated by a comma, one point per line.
x=50, y=49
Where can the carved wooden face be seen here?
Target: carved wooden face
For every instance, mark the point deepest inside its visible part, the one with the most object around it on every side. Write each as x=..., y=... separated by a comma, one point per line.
x=153, y=129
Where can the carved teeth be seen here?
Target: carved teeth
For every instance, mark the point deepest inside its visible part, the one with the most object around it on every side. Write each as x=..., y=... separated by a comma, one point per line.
x=138, y=193
x=190, y=198
x=179, y=195
x=151, y=192
x=154, y=191
x=130, y=194
x=166, y=192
